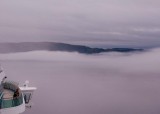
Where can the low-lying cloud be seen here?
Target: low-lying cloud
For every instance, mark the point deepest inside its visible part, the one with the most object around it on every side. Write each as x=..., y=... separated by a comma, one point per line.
x=73, y=83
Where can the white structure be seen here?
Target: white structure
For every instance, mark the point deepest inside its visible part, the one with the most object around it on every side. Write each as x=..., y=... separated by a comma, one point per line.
x=14, y=99
x=27, y=93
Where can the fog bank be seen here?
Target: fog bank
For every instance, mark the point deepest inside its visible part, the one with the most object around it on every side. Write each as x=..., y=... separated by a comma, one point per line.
x=72, y=83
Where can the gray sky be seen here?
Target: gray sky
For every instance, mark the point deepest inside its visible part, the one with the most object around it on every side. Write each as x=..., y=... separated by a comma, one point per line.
x=126, y=23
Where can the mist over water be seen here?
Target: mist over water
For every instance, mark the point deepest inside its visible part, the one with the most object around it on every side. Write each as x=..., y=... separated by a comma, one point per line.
x=72, y=83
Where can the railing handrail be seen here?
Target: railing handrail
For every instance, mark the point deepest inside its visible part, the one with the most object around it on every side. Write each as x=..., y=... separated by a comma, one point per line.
x=11, y=102
x=17, y=98
x=11, y=98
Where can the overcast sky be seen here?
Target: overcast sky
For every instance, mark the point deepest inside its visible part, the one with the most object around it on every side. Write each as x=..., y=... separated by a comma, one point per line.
x=125, y=23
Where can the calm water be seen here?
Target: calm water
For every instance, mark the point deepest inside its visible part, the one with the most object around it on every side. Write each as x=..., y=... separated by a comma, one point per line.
x=70, y=83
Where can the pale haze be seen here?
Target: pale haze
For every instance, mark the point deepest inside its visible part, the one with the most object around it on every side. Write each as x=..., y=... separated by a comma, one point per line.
x=107, y=23
x=72, y=83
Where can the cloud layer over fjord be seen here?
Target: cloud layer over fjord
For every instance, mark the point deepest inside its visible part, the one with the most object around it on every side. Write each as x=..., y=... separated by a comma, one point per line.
x=70, y=83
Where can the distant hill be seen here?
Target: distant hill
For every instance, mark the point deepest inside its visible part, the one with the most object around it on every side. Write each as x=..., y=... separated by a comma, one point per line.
x=53, y=46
